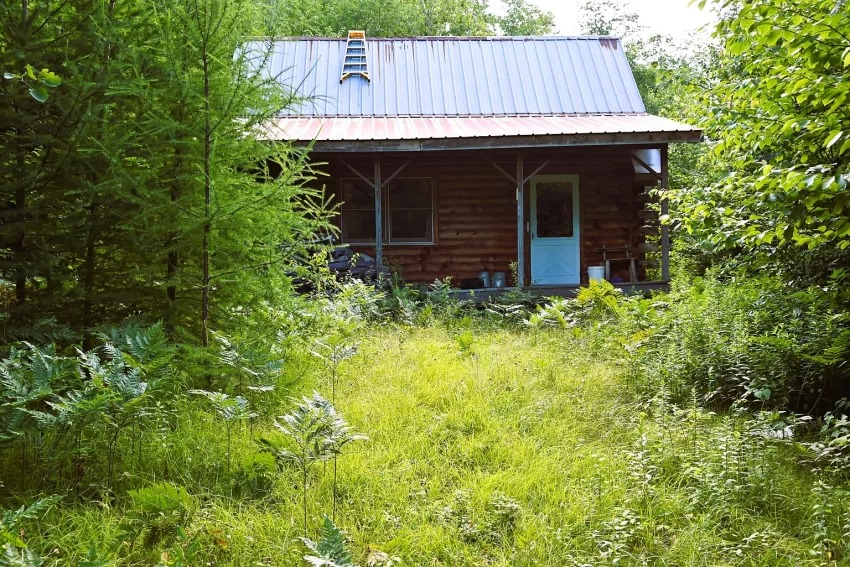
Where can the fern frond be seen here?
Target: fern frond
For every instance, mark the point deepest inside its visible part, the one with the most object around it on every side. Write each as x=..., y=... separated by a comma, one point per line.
x=330, y=550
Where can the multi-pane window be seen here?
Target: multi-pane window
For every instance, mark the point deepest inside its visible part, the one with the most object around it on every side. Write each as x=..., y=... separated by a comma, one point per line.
x=408, y=211
x=357, y=211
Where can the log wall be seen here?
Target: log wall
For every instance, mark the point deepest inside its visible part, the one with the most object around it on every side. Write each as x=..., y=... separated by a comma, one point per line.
x=475, y=209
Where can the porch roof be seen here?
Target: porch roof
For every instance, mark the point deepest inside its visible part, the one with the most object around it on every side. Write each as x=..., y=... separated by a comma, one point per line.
x=421, y=133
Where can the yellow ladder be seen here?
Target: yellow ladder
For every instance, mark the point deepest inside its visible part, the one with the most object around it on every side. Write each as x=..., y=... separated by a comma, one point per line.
x=355, y=62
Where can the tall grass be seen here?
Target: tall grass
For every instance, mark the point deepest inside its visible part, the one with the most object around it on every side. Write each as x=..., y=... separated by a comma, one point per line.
x=487, y=444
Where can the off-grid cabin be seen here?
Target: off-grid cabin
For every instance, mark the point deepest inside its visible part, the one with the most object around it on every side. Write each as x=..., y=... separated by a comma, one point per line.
x=452, y=156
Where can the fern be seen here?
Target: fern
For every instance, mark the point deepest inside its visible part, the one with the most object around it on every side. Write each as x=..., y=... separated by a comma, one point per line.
x=230, y=409
x=12, y=557
x=28, y=379
x=333, y=351
x=316, y=433
x=144, y=348
x=157, y=511
x=251, y=364
x=14, y=549
x=330, y=550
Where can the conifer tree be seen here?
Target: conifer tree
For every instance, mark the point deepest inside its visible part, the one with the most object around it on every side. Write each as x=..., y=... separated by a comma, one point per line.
x=143, y=186
x=229, y=206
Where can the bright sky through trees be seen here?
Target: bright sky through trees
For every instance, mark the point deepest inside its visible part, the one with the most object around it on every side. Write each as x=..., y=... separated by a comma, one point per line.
x=669, y=17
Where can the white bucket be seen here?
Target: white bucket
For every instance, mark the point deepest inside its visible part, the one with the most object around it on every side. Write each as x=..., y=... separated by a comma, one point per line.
x=595, y=273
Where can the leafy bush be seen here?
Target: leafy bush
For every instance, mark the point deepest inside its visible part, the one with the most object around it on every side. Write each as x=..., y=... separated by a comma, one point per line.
x=750, y=341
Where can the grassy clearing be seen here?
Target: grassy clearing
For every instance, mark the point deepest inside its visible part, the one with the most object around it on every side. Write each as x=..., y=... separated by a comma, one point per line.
x=517, y=448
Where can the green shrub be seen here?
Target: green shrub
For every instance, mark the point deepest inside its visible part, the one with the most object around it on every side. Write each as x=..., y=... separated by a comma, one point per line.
x=157, y=511
x=751, y=341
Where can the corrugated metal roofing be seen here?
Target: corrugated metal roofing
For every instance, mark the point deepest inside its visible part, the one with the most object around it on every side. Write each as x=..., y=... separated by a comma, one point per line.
x=453, y=76
x=337, y=129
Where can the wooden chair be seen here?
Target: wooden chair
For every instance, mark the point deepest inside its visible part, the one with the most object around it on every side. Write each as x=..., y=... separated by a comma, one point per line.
x=619, y=254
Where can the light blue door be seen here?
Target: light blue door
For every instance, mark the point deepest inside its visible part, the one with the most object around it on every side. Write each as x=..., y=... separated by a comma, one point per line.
x=555, y=243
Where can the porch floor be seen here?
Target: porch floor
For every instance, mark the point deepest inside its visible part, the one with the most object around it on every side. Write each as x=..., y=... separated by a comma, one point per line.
x=488, y=293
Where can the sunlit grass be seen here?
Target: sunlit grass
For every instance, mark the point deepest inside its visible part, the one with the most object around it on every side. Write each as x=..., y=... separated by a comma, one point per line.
x=523, y=448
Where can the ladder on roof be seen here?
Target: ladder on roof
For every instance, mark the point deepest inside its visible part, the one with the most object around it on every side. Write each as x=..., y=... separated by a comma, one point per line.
x=354, y=62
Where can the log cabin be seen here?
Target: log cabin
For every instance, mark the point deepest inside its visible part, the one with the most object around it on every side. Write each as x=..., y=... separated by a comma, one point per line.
x=455, y=156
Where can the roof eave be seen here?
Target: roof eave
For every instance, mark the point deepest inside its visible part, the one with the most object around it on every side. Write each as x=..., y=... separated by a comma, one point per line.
x=506, y=142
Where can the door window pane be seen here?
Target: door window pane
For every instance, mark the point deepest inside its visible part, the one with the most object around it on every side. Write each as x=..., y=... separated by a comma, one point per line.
x=555, y=210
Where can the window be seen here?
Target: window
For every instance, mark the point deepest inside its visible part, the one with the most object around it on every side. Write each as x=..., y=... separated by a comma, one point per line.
x=358, y=211
x=408, y=211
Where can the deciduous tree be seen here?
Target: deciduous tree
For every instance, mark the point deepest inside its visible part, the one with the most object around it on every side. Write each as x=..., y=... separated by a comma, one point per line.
x=778, y=111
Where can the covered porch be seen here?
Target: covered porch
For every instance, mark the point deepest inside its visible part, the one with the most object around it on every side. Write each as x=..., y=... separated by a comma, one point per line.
x=541, y=216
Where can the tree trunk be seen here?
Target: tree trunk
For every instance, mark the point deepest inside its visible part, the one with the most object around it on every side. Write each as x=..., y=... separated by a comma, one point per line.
x=205, y=278
x=19, y=248
x=89, y=273
x=172, y=258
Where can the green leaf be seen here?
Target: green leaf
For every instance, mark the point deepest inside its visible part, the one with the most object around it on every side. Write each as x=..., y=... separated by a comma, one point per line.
x=835, y=136
x=50, y=79
x=38, y=93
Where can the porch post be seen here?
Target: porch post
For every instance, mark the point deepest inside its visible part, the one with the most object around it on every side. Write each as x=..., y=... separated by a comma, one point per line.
x=379, y=225
x=520, y=221
x=665, y=208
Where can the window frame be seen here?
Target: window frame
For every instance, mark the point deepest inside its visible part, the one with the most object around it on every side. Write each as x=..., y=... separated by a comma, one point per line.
x=387, y=209
x=342, y=210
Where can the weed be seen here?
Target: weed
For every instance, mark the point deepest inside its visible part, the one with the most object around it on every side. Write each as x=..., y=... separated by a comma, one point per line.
x=317, y=433
x=157, y=511
x=465, y=340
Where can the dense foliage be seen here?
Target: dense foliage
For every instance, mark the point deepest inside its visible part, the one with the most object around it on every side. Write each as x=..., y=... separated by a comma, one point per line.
x=401, y=18
x=133, y=190
x=777, y=110
x=474, y=453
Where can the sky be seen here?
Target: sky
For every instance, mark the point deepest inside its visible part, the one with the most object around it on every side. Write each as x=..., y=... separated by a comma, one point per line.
x=668, y=17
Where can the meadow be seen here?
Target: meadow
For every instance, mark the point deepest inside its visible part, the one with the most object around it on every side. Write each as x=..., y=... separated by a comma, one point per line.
x=475, y=442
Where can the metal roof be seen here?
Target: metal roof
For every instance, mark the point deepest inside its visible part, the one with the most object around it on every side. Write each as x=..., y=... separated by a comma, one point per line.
x=458, y=76
x=474, y=92
x=418, y=133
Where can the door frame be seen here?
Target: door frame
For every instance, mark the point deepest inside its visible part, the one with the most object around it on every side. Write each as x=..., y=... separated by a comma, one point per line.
x=532, y=224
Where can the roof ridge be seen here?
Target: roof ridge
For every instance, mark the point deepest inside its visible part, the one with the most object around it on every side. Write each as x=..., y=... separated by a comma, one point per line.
x=443, y=38
x=463, y=116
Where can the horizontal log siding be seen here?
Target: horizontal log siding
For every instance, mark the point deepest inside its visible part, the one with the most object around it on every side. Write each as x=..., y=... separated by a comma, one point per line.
x=609, y=213
x=475, y=219
x=476, y=214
